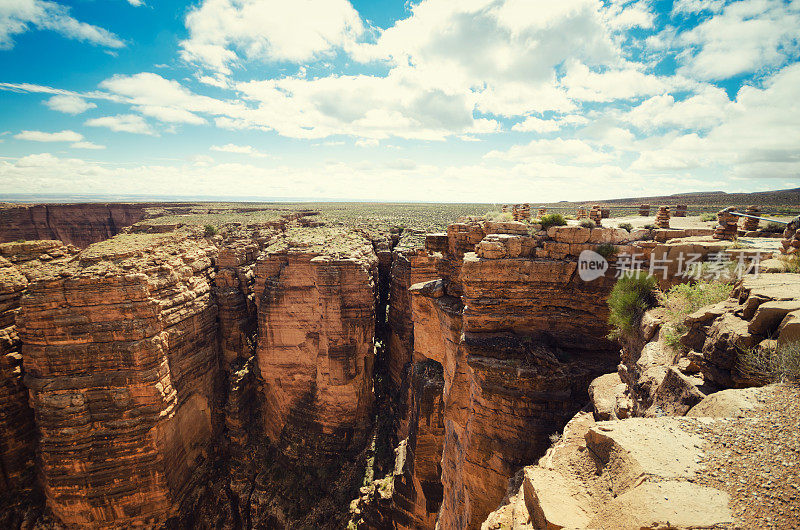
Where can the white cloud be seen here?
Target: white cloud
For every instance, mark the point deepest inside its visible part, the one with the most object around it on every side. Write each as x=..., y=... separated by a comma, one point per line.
x=170, y=114
x=221, y=32
x=633, y=15
x=136, y=3
x=17, y=17
x=367, y=142
x=697, y=6
x=501, y=55
x=41, y=136
x=757, y=138
x=69, y=104
x=534, y=124
x=553, y=150
x=87, y=145
x=699, y=111
x=746, y=37
x=583, y=84
x=239, y=149
x=130, y=123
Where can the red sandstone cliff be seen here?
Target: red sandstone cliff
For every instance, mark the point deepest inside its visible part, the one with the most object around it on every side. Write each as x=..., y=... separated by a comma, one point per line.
x=120, y=355
x=316, y=294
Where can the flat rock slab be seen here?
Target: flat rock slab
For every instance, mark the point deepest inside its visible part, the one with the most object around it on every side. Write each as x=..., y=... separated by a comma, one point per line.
x=666, y=504
x=732, y=403
x=780, y=286
x=640, y=448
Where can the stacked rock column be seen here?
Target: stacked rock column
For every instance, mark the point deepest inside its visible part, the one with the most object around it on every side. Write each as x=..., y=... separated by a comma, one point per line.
x=680, y=210
x=750, y=224
x=662, y=217
x=542, y=211
x=596, y=215
x=791, y=237
x=522, y=212
x=727, y=225
x=581, y=214
x=644, y=210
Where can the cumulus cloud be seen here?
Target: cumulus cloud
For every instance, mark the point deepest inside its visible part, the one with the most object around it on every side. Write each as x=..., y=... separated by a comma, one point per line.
x=553, y=150
x=19, y=16
x=239, y=149
x=757, y=137
x=746, y=37
x=539, y=125
x=703, y=110
x=41, y=136
x=222, y=32
x=130, y=123
x=69, y=104
x=87, y=145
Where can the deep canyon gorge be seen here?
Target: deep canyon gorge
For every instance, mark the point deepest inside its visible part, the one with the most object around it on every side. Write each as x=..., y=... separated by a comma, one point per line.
x=302, y=372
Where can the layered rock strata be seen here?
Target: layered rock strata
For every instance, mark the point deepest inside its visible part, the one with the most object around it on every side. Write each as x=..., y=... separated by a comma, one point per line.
x=519, y=336
x=77, y=224
x=120, y=354
x=17, y=262
x=316, y=295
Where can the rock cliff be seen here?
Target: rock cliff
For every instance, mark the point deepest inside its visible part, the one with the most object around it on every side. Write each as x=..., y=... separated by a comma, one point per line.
x=266, y=374
x=120, y=356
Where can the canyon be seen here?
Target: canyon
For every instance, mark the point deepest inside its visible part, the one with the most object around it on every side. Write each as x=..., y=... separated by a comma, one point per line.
x=311, y=371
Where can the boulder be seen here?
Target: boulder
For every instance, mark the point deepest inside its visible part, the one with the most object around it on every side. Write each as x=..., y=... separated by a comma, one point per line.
x=769, y=316
x=731, y=403
x=604, y=393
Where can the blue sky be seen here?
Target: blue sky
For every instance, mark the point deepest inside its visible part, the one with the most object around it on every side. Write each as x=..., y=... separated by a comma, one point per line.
x=435, y=100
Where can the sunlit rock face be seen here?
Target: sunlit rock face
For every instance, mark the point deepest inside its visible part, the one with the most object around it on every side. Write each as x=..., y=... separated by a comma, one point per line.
x=16, y=420
x=316, y=296
x=520, y=336
x=120, y=353
x=76, y=224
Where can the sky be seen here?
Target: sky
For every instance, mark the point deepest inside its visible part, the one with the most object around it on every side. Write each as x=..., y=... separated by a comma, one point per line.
x=429, y=100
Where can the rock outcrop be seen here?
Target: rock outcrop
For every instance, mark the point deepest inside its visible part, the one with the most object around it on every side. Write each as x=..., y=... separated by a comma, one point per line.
x=76, y=224
x=512, y=377
x=626, y=474
x=120, y=354
x=316, y=295
x=18, y=262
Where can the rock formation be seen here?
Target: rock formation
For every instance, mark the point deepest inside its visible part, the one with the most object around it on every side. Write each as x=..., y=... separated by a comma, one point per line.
x=268, y=375
x=120, y=356
x=316, y=292
x=662, y=217
x=727, y=224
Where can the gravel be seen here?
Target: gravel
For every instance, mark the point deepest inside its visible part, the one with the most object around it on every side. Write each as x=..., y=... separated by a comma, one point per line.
x=756, y=460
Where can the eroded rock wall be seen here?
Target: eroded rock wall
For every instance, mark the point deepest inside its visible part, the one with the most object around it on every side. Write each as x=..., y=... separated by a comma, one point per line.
x=520, y=337
x=16, y=418
x=120, y=357
x=76, y=224
x=316, y=313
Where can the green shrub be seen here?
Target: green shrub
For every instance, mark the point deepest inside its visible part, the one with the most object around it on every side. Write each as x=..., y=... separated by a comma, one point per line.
x=708, y=217
x=626, y=226
x=587, y=223
x=210, y=230
x=499, y=217
x=774, y=228
x=770, y=365
x=792, y=263
x=649, y=226
x=569, y=217
x=628, y=301
x=684, y=299
x=607, y=250
x=552, y=219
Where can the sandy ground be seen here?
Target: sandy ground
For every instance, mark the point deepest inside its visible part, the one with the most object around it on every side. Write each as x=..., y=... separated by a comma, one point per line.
x=692, y=221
